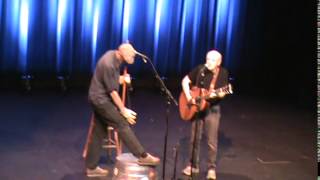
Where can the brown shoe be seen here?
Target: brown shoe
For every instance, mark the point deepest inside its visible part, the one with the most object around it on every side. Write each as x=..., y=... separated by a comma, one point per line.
x=187, y=171
x=211, y=174
x=97, y=172
x=148, y=161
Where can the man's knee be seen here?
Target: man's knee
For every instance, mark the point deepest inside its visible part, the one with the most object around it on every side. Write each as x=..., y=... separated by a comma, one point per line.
x=119, y=124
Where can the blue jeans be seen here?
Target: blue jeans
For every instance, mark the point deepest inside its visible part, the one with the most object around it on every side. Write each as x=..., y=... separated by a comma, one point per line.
x=208, y=119
x=106, y=114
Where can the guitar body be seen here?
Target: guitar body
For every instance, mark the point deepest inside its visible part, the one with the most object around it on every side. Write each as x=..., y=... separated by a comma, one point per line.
x=187, y=110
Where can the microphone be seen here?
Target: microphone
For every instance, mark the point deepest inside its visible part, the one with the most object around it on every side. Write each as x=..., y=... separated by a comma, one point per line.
x=130, y=87
x=144, y=57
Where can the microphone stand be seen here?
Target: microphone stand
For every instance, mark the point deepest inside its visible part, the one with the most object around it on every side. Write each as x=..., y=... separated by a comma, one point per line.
x=196, y=141
x=175, y=154
x=169, y=99
x=197, y=132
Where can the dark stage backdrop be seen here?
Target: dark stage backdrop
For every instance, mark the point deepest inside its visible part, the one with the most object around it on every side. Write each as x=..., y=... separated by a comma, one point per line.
x=269, y=46
x=65, y=37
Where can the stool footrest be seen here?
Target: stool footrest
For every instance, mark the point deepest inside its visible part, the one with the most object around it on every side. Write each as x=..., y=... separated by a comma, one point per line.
x=109, y=146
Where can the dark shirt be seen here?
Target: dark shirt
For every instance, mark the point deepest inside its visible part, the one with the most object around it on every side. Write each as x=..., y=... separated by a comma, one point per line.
x=105, y=78
x=201, y=77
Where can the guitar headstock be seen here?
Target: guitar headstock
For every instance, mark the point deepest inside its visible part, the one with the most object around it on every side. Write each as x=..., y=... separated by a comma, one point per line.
x=229, y=89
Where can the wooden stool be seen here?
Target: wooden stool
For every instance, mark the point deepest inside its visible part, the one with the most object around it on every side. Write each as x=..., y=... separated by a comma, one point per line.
x=112, y=142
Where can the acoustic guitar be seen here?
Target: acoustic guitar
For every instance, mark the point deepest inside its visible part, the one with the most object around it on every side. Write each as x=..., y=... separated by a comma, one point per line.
x=201, y=95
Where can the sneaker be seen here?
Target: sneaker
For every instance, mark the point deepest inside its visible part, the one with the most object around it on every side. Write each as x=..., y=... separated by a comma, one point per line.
x=149, y=160
x=97, y=172
x=187, y=171
x=211, y=174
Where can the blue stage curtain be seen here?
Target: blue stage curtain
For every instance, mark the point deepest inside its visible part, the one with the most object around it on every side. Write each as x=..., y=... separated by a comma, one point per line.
x=65, y=37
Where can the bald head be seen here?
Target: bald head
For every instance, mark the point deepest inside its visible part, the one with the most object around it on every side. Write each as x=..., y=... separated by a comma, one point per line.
x=127, y=52
x=126, y=47
x=213, y=59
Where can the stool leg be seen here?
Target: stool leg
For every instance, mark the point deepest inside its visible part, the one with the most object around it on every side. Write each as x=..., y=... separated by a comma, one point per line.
x=85, y=149
x=118, y=143
x=109, y=142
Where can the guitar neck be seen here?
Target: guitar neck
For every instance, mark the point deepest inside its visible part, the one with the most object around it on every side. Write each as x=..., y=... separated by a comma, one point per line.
x=225, y=89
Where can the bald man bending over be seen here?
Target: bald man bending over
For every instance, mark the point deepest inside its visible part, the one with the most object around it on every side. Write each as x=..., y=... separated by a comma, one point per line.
x=208, y=76
x=109, y=110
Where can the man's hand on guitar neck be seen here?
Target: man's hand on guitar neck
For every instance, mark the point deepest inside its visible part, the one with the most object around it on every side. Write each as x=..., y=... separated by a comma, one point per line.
x=219, y=95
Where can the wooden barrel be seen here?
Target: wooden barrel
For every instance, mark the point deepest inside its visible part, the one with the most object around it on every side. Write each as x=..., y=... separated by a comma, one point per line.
x=127, y=168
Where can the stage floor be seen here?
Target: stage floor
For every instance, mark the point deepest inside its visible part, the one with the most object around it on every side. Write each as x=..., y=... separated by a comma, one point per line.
x=42, y=137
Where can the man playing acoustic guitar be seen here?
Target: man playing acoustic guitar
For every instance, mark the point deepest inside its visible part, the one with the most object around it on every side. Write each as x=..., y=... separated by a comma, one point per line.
x=206, y=85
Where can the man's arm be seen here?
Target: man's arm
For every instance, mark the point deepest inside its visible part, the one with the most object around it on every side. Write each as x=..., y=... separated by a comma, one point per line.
x=127, y=113
x=186, y=87
x=117, y=100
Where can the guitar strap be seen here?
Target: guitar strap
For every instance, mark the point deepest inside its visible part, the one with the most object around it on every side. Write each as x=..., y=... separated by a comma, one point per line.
x=214, y=79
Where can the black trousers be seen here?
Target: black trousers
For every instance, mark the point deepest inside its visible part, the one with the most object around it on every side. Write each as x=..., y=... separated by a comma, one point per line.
x=106, y=114
x=209, y=121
